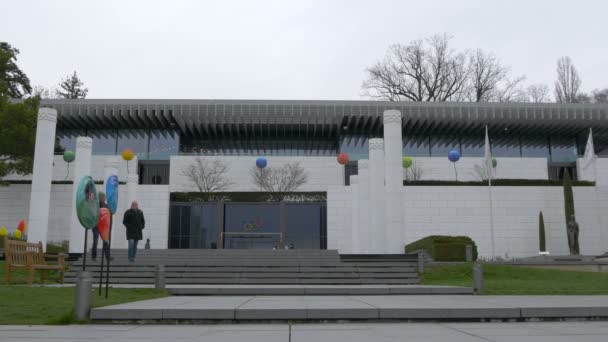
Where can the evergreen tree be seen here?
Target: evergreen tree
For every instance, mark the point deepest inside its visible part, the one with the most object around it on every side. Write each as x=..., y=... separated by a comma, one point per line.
x=541, y=233
x=13, y=82
x=72, y=88
x=568, y=196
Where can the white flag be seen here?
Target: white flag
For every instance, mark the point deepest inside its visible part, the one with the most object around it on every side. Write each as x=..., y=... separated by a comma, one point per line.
x=487, y=156
x=589, y=157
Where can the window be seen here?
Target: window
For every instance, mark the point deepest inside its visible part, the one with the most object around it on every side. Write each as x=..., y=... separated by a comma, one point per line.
x=154, y=172
x=534, y=147
x=163, y=144
x=441, y=145
x=193, y=226
x=356, y=146
x=416, y=146
x=563, y=149
x=472, y=146
x=67, y=138
x=505, y=146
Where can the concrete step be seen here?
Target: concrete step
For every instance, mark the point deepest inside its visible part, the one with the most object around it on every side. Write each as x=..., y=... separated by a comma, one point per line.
x=296, y=290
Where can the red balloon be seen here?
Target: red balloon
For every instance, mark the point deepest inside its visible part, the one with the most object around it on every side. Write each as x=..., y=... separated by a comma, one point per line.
x=103, y=225
x=342, y=158
x=22, y=226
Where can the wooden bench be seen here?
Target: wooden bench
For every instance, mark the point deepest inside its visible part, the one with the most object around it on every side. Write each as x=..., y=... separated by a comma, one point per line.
x=29, y=256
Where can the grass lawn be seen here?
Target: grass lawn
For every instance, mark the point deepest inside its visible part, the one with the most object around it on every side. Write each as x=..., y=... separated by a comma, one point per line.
x=513, y=280
x=21, y=304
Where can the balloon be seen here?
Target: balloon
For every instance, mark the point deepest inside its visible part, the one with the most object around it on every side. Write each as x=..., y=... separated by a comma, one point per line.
x=128, y=154
x=69, y=156
x=18, y=234
x=3, y=231
x=261, y=162
x=454, y=156
x=87, y=203
x=22, y=226
x=103, y=225
x=112, y=193
x=407, y=162
x=342, y=158
x=494, y=163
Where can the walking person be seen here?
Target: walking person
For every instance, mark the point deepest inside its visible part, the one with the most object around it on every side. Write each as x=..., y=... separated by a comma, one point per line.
x=134, y=222
x=105, y=245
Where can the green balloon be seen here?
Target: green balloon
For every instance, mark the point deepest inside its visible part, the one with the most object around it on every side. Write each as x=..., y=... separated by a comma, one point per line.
x=407, y=162
x=87, y=203
x=69, y=156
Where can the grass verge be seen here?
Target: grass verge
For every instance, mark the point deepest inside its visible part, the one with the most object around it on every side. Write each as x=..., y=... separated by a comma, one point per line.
x=515, y=280
x=22, y=304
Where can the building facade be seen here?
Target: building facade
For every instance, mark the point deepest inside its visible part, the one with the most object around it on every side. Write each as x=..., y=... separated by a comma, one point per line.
x=529, y=141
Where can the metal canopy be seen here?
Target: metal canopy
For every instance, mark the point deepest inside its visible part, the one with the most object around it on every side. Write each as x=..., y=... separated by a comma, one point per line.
x=215, y=119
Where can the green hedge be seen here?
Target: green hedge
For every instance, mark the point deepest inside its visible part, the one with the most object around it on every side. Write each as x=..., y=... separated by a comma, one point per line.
x=444, y=248
x=498, y=182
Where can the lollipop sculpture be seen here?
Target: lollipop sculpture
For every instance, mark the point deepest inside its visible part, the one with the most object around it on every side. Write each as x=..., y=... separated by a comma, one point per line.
x=105, y=226
x=342, y=158
x=87, y=209
x=454, y=156
x=68, y=157
x=128, y=155
x=261, y=162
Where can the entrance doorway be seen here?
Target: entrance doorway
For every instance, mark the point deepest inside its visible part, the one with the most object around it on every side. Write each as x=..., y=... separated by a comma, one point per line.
x=248, y=225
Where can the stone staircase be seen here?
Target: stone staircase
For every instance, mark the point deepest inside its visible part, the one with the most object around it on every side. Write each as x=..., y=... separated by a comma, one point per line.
x=255, y=267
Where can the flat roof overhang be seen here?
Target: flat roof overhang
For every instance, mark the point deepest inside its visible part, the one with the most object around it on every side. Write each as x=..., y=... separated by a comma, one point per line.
x=248, y=118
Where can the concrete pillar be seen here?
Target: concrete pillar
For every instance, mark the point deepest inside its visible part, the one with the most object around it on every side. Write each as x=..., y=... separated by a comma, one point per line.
x=393, y=178
x=364, y=215
x=376, y=192
x=354, y=226
x=110, y=167
x=82, y=167
x=40, y=197
x=393, y=150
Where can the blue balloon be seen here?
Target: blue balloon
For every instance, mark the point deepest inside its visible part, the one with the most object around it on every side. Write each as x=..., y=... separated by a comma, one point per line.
x=112, y=193
x=261, y=162
x=454, y=156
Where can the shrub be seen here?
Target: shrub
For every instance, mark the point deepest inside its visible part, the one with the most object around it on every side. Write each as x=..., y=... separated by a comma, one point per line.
x=541, y=233
x=58, y=247
x=444, y=248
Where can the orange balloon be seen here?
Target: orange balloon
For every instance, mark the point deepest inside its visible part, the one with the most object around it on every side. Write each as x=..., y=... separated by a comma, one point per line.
x=128, y=154
x=342, y=158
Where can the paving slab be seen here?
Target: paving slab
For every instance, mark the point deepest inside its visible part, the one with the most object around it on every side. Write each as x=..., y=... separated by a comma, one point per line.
x=378, y=307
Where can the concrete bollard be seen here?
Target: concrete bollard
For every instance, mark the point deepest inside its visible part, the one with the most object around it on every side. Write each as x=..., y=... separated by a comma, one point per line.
x=469, y=253
x=478, y=279
x=83, y=295
x=420, y=262
x=160, y=277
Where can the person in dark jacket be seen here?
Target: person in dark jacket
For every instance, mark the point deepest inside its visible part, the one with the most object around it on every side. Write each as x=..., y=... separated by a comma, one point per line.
x=105, y=246
x=134, y=222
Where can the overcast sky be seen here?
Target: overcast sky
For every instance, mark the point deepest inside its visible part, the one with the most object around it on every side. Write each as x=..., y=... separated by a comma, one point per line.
x=285, y=49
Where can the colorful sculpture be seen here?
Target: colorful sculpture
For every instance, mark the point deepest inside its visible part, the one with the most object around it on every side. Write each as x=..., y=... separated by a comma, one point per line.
x=454, y=156
x=22, y=226
x=128, y=154
x=407, y=162
x=103, y=225
x=342, y=158
x=69, y=156
x=261, y=162
x=17, y=234
x=112, y=193
x=87, y=203
x=3, y=231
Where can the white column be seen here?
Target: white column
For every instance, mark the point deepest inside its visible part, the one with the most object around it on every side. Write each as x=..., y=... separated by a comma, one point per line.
x=393, y=178
x=365, y=213
x=393, y=150
x=82, y=167
x=40, y=196
x=376, y=195
x=354, y=226
x=110, y=167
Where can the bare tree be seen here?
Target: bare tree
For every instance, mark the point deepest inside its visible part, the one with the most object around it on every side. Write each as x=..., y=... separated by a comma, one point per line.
x=600, y=96
x=207, y=174
x=414, y=172
x=511, y=91
x=486, y=75
x=568, y=82
x=426, y=70
x=44, y=92
x=72, y=88
x=279, y=181
x=538, y=93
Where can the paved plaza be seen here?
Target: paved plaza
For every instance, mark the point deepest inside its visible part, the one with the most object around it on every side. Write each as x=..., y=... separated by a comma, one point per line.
x=594, y=331
x=424, y=307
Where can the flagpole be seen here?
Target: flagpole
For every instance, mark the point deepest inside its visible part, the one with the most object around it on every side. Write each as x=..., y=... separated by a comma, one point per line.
x=491, y=212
